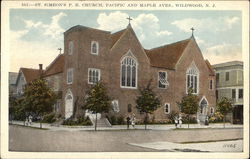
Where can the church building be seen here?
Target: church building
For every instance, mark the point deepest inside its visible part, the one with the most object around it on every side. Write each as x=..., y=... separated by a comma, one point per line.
x=120, y=61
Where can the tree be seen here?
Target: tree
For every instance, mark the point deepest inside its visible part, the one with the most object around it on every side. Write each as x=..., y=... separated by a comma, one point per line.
x=189, y=104
x=38, y=99
x=224, y=106
x=147, y=102
x=97, y=100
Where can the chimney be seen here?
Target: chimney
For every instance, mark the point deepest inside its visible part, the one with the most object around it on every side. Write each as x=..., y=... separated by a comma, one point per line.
x=40, y=67
x=40, y=70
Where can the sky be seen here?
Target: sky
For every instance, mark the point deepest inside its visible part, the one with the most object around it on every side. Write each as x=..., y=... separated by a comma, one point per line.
x=36, y=35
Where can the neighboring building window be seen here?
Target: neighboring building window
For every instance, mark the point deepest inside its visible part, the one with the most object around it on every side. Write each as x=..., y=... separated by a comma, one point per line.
x=211, y=110
x=167, y=108
x=71, y=48
x=94, y=75
x=192, y=76
x=70, y=76
x=162, y=80
x=94, y=47
x=128, y=72
x=115, y=105
x=211, y=84
x=227, y=76
x=217, y=77
x=233, y=93
x=240, y=93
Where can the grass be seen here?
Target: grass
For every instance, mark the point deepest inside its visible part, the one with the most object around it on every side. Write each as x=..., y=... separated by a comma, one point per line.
x=30, y=127
x=193, y=142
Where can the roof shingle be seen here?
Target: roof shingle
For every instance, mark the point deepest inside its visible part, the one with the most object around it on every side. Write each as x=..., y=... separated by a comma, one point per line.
x=30, y=74
x=167, y=56
x=55, y=67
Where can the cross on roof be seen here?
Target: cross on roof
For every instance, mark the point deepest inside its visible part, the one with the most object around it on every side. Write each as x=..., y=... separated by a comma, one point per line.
x=60, y=49
x=192, y=31
x=129, y=19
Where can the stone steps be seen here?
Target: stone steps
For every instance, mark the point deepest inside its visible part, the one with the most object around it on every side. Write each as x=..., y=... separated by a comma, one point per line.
x=102, y=122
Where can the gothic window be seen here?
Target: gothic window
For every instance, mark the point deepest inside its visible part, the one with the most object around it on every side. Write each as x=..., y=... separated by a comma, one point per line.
x=129, y=108
x=94, y=75
x=128, y=72
x=211, y=110
x=94, y=47
x=70, y=76
x=211, y=84
x=71, y=48
x=167, y=108
x=115, y=105
x=162, y=79
x=192, y=76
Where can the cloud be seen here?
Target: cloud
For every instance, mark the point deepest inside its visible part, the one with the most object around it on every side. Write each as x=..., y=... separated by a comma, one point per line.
x=37, y=43
x=200, y=41
x=29, y=53
x=52, y=31
x=223, y=53
x=146, y=26
x=207, y=24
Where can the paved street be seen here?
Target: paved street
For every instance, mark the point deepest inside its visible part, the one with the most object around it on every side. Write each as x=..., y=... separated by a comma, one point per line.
x=117, y=139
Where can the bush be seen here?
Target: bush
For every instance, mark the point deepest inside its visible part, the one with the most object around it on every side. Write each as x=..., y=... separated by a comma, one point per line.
x=120, y=120
x=115, y=120
x=49, y=118
x=216, y=118
x=79, y=121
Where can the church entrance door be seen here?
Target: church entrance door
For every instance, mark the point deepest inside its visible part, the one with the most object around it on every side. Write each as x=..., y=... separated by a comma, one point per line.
x=68, y=106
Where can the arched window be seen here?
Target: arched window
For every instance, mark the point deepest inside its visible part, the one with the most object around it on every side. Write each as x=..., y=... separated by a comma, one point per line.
x=129, y=72
x=71, y=48
x=192, y=76
x=68, y=104
x=94, y=47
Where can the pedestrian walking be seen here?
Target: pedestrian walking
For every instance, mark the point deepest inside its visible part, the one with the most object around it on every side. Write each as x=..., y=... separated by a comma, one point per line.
x=176, y=121
x=180, y=121
x=30, y=119
x=133, y=121
x=128, y=122
x=26, y=121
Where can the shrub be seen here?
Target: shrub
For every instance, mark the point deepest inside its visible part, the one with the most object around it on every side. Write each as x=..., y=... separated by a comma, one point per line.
x=79, y=121
x=120, y=120
x=216, y=118
x=49, y=118
x=115, y=120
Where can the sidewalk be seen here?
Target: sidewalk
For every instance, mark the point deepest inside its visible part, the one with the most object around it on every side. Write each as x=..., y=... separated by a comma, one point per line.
x=124, y=127
x=219, y=146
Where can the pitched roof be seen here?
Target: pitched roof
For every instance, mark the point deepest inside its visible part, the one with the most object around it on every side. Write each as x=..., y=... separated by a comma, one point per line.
x=210, y=68
x=56, y=66
x=30, y=74
x=116, y=36
x=167, y=56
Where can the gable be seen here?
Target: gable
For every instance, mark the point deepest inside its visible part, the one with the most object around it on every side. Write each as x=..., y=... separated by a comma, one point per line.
x=167, y=56
x=192, y=53
x=55, y=67
x=30, y=74
x=126, y=40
